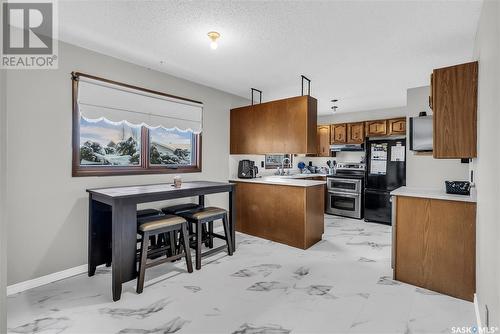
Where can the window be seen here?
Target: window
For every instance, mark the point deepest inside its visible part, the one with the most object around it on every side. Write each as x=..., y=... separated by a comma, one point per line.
x=120, y=129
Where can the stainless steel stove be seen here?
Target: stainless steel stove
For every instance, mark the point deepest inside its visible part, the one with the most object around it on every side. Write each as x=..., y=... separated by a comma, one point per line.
x=345, y=190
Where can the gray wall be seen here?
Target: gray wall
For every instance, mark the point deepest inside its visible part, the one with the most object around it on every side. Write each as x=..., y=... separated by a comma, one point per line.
x=487, y=50
x=421, y=171
x=48, y=207
x=3, y=236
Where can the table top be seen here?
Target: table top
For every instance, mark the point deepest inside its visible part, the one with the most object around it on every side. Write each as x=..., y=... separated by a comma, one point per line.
x=150, y=189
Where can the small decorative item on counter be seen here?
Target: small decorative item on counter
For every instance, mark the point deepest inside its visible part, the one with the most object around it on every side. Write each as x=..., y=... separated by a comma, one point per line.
x=177, y=181
x=457, y=187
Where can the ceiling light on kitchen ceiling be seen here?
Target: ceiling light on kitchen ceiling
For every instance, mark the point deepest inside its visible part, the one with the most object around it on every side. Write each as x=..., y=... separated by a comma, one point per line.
x=334, y=108
x=335, y=100
x=214, y=36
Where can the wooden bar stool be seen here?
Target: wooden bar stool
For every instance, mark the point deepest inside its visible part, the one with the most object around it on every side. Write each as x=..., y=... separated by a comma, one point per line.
x=203, y=216
x=155, y=226
x=147, y=213
x=186, y=207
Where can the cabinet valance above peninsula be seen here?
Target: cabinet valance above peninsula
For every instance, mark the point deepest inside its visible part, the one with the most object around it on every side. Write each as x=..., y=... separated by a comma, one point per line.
x=287, y=125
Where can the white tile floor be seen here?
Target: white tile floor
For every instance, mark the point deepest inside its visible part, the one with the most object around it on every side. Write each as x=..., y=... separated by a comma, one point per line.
x=341, y=285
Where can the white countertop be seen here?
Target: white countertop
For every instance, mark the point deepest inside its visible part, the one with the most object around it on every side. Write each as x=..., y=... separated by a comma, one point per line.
x=434, y=193
x=285, y=180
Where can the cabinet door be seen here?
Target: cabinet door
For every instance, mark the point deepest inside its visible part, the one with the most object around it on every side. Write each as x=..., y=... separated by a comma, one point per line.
x=339, y=134
x=454, y=102
x=376, y=128
x=355, y=133
x=397, y=126
x=435, y=245
x=323, y=141
x=282, y=126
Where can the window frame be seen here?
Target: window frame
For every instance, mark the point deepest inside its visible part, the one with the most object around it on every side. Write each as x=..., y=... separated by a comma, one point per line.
x=144, y=166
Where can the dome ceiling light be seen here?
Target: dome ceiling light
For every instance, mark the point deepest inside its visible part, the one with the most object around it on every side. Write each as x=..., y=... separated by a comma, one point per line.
x=214, y=36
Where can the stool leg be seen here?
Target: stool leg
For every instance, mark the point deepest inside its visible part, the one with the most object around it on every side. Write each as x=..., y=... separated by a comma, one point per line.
x=172, y=243
x=187, y=251
x=211, y=234
x=142, y=262
x=198, y=245
x=205, y=235
x=227, y=234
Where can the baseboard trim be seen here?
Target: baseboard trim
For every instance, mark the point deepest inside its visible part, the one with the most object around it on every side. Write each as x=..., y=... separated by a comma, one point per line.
x=476, y=310
x=43, y=280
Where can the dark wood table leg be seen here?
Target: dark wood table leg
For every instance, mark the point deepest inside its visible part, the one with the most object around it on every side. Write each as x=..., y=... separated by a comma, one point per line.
x=124, y=232
x=91, y=262
x=99, y=238
x=232, y=217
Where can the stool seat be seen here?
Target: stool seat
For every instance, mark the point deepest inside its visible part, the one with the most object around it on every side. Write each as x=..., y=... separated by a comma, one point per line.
x=149, y=213
x=203, y=213
x=181, y=208
x=160, y=222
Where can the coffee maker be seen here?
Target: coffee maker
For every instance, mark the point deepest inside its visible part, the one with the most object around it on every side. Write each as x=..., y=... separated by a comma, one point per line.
x=247, y=169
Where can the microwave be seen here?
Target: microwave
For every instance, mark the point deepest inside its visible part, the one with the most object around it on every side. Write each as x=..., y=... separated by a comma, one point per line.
x=421, y=134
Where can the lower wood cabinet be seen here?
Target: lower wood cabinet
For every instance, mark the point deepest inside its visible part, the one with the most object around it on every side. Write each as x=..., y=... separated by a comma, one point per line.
x=435, y=245
x=287, y=214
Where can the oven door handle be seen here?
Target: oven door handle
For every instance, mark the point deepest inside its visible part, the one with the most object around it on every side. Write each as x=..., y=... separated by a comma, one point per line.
x=350, y=195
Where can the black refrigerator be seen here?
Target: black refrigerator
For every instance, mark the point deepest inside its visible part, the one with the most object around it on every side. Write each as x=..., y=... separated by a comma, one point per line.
x=385, y=171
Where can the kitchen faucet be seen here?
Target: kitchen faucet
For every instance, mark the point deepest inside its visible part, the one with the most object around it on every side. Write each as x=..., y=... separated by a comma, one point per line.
x=283, y=165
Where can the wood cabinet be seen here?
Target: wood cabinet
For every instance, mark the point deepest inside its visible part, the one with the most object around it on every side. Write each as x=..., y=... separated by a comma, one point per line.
x=355, y=133
x=287, y=214
x=396, y=126
x=338, y=134
x=282, y=126
x=454, y=105
x=323, y=141
x=376, y=128
x=435, y=245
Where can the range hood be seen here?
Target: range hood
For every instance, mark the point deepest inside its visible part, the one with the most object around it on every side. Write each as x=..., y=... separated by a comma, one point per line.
x=347, y=148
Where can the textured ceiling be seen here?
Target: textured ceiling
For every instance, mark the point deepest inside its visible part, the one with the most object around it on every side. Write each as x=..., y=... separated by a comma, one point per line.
x=365, y=53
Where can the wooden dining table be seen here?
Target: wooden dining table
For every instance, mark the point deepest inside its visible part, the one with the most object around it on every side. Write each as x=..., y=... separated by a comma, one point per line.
x=113, y=223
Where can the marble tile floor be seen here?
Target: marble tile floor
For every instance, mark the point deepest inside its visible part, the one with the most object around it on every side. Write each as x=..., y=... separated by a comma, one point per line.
x=341, y=285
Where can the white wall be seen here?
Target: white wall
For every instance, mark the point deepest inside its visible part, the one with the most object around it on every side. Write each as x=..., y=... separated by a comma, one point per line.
x=47, y=218
x=3, y=237
x=421, y=171
x=487, y=51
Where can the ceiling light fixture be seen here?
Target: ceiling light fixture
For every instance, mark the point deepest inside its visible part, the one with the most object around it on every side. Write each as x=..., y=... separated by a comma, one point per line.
x=335, y=100
x=214, y=36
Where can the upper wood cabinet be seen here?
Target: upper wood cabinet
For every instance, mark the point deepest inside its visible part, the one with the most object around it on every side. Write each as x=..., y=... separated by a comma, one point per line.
x=282, y=126
x=355, y=133
x=338, y=134
x=454, y=105
x=323, y=140
x=376, y=128
x=396, y=126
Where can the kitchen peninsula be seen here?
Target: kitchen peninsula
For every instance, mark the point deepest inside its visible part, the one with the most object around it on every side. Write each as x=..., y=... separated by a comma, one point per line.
x=281, y=209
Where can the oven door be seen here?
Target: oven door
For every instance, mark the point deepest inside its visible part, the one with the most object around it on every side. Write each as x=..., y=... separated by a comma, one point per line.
x=344, y=204
x=344, y=185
